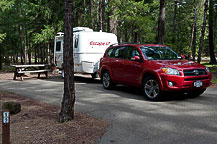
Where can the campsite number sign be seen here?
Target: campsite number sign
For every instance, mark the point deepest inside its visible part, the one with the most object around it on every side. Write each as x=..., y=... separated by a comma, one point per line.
x=5, y=117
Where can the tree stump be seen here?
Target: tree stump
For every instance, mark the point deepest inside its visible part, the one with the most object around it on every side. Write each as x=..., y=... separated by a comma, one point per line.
x=13, y=107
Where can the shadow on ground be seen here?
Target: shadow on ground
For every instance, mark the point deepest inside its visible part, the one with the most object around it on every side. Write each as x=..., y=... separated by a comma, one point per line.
x=129, y=91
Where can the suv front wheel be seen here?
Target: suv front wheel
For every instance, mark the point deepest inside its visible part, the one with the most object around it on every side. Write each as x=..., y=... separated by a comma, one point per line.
x=106, y=80
x=151, y=88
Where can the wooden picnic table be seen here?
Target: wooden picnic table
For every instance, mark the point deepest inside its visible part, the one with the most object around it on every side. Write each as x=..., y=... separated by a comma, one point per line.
x=21, y=70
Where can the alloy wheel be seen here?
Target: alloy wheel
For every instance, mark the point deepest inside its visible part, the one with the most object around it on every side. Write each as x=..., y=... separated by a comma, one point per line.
x=151, y=88
x=106, y=80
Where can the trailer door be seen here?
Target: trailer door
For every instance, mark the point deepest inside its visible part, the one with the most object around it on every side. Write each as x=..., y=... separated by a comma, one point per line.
x=58, y=51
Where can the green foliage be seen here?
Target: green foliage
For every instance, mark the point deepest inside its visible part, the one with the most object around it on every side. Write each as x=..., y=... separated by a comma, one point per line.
x=136, y=17
x=45, y=35
x=2, y=37
x=33, y=22
x=214, y=81
x=208, y=64
x=136, y=21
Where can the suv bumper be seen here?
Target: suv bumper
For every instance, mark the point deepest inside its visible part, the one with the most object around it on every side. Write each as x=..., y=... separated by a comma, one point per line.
x=184, y=83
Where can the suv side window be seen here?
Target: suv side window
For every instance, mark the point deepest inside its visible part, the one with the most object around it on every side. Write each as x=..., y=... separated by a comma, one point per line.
x=131, y=52
x=120, y=52
x=110, y=52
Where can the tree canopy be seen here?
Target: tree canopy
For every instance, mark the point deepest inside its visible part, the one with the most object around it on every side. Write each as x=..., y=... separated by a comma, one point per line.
x=28, y=27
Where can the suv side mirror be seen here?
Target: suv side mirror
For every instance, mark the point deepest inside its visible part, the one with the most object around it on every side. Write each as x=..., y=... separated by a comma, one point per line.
x=136, y=58
x=183, y=56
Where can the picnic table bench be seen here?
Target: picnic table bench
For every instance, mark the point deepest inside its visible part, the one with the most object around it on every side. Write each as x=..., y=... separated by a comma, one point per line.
x=22, y=70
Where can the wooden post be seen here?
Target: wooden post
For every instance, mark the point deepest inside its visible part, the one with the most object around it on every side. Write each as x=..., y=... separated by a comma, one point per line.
x=5, y=127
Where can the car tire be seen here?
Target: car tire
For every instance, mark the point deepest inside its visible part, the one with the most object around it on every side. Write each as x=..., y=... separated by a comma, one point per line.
x=106, y=80
x=151, y=89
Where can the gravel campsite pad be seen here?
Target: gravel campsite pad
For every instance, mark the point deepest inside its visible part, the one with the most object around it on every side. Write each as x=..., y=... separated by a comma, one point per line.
x=38, y=123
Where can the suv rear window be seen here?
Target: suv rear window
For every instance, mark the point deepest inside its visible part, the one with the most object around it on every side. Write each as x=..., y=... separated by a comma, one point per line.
x=120, y=52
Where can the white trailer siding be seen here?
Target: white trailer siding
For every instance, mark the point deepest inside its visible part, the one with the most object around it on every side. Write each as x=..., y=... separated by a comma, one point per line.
x=91, y=47
x=88, y=48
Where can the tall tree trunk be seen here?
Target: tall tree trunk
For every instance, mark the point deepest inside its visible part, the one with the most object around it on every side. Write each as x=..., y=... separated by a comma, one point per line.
x=103, y=15
x=161, y=22
x=21, y=56
x=22, y=34
x=36, y=57
x=175, y=21
x=17, y=60
x=203, y=31
x=113, y=21
x=211, y=40
x=22, y=39
x=91, y=13
x=29, y=49
x=108, y=20
x=1, y=58
x=41, y=54
x=14, y=59
x=48, y=53
x=99, y=13
x=67, y=109
x=194, y=33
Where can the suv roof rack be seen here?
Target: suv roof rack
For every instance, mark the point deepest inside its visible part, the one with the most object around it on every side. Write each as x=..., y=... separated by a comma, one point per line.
x=128, y=43
x=123, y=43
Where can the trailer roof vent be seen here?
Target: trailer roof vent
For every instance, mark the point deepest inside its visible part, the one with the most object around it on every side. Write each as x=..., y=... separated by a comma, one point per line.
x=60, y=34
x=78, y=29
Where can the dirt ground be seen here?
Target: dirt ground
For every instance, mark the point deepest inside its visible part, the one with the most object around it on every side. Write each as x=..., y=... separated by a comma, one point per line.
x=37, y=122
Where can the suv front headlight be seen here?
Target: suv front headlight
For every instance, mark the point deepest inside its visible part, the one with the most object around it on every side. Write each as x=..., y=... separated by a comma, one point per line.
x=171, y=71
x=207, y=69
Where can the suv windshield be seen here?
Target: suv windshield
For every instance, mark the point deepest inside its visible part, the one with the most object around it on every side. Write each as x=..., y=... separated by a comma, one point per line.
x=159, y=53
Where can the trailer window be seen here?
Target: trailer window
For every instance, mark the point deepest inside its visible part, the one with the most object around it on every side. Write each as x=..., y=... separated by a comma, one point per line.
x=76, y=43
x=58, y=46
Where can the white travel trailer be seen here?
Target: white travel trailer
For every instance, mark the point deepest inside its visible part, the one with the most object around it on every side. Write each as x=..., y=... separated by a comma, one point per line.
x=88, y=48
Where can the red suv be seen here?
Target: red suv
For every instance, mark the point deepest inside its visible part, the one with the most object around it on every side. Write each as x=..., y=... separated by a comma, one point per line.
x=154, y=68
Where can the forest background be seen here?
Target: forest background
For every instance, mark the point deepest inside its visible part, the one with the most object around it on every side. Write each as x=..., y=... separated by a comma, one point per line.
x=28, y=27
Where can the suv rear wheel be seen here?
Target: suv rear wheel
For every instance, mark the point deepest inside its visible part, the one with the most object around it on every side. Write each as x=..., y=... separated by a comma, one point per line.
x=151, y=88
x=106, y=80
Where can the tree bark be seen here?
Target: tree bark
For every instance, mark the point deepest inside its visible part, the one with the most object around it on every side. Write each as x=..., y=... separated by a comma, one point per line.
x=107, y=16
x=202, y=31
x=175, y=20
x=161, y=22
x=22, y=39
x=103, y=15
x=211, y=40
x=41, y=54
x=29, y=49
x=99, y=13
x=1, y=58
x=91, y=14
x=194, y=34
x=113, y=21
x=22, y=34
x=36, y=60
x=67, y=109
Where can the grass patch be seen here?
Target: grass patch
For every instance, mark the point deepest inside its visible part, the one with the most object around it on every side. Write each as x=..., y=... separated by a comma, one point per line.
x=8, y=69
x=208, y=64
x=214, y=81
x=213, y=70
